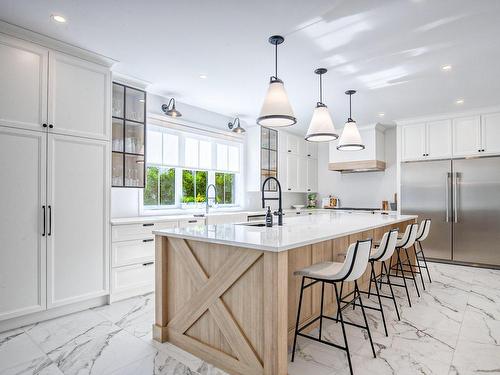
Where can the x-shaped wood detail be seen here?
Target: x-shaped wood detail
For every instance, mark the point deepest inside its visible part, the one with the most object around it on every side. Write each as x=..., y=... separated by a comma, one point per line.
x=208, y=297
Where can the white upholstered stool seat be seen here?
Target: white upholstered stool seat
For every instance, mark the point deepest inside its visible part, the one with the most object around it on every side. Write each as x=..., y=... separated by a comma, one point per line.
x=323, y=270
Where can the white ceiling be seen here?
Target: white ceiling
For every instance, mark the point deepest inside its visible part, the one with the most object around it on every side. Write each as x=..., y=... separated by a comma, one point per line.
x=391, y=51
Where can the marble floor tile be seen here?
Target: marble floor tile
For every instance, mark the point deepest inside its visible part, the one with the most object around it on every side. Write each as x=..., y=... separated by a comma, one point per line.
x=20, y=355
x=475, y=358
x=135, y=315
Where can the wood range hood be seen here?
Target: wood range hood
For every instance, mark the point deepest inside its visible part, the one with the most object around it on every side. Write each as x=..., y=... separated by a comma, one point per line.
x=371, y=159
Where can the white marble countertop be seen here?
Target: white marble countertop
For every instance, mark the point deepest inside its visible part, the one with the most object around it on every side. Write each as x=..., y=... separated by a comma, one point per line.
x=296, y=230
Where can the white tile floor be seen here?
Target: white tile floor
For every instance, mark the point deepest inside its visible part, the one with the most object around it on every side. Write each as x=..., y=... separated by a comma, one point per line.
x=454, y=328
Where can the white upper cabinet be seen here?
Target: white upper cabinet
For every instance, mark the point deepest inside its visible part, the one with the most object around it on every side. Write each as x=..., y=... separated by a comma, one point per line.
x=302, y=174
x=79, y=97
x=292, y=144
x=23, y=83
x=413, y=142
x=312, y=175
x=22, y=234
x=311, y=150
x=78, y=220
x=467, y=136
x=490, y=133
x=428, y=140
x=438, y=139
x=292, y=176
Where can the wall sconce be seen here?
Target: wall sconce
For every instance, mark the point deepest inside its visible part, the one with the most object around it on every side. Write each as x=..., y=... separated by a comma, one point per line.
x=235, y=126
x=170, y=110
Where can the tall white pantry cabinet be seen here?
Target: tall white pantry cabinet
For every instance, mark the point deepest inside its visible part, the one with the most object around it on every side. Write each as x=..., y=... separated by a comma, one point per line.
x=55, y=178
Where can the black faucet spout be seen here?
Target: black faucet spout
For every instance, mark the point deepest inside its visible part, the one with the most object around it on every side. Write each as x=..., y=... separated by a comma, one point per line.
x=264, y=199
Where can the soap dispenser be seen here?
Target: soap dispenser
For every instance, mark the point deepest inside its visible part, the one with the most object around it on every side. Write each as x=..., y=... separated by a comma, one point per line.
x=269, y=217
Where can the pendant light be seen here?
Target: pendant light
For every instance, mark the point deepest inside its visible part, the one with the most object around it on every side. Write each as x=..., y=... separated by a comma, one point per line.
x=276, y=110
x=170, y=110
x=235, y=126
x=350, y=140
x=321, y=128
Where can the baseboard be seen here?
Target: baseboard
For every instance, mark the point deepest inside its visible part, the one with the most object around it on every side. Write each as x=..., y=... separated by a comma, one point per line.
x=56, y=312
x=466, y=264
x=129, y=293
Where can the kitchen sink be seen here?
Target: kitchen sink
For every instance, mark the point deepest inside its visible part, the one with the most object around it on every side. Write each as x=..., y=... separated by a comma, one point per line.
x=253, y=224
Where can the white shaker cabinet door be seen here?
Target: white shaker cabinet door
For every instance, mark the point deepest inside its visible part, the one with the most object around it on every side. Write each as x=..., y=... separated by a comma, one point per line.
x=79, y=97
x=22, y=237
x=292, y=178
x=78, y=238
x=413, y=142
x=23, y=84
x=490, y=132
x=466, y=136
x=439, y=139
x=312, y=175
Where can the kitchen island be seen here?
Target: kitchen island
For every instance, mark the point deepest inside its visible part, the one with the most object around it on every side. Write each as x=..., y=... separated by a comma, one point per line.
x=226, y=293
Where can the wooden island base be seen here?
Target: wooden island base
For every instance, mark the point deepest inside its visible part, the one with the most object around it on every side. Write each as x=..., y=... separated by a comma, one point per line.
x=236, y=307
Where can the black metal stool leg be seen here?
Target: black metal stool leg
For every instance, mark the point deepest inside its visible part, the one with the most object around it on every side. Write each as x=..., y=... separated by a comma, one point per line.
x=364, y=316
x=400, y=264
x=321, y=311
x=411, y=271
x=425, y=261
x=341, y=289
x=339, y=311
x=392, y=291
x=298, y=318
x=418, y=265
x=370, y=284
x=379, y=299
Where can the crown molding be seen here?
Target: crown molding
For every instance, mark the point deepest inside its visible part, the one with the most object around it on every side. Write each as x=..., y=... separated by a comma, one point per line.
x=447, y=116
x=54, y=44
x=130, y=81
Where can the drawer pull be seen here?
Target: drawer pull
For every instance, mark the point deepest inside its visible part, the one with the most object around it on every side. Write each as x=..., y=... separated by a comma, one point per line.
x=148, y=225
x=148, y=240
x=192, y=221
x=148, y=263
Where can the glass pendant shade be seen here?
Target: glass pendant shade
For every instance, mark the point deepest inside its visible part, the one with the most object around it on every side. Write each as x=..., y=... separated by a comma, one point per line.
x=350, y=140
x=321, y=128
x=276, y=110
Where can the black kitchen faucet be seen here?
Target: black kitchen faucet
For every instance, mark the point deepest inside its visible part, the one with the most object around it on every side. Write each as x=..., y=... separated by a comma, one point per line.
x=264, y=199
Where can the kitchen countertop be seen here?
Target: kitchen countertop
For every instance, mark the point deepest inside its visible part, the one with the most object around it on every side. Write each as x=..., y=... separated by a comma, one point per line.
x=175, y=217
x=296, y=230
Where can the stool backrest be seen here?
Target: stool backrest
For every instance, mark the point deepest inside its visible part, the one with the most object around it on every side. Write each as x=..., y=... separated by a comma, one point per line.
x=409, y=236
x=356, y=260
x=423, y=230
x=387, y=246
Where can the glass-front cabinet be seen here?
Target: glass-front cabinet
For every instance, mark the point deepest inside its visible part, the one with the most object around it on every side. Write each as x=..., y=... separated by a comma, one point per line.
x=128, y=139
x=269, y=156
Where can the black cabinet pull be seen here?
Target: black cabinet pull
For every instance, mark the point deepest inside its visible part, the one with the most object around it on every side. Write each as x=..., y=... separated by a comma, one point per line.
x=289, y=150
x=308, y=154
x=192, y=221
x=148, y=240
x=148, y=225
x=50, y=221
x=289, y=189
x=51, y=126
x=148, y=263
x=44, y=125
x=308, y=189
x=43, y=208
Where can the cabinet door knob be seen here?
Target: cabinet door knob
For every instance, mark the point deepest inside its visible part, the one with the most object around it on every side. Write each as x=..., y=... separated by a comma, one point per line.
x=44, y=125
x=51, y=126
x=289, y=150
x=289, y=188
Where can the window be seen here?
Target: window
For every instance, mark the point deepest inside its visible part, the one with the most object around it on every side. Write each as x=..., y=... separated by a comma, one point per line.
x=224, y=182
x=160, y=187
x=194, y=186
x=180, y=165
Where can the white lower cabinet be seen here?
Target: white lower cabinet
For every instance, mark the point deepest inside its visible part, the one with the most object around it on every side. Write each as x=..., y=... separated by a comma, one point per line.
x=132, y=258
x=22, y=237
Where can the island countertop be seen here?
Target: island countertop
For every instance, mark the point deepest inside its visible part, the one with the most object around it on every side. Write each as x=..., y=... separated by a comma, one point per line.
x=295, y=232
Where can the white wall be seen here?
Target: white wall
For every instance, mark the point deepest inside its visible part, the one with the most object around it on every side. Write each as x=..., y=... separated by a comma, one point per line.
x=366, y=189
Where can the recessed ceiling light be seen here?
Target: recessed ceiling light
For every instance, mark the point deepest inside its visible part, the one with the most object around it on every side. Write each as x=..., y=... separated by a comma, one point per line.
x=58, y=18
x=203, y=76
x=459, y=101
x=381, y=114
x=142, y=100
x=446, y=68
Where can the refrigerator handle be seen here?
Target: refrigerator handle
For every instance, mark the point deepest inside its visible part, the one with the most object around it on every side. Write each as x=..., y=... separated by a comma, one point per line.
x=448, y=189
x=455, y=198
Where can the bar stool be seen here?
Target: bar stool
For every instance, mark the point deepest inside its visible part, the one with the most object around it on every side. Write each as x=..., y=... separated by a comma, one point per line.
x=354, y=266
x=382, y=253
x=407, y=241
x=423, y=232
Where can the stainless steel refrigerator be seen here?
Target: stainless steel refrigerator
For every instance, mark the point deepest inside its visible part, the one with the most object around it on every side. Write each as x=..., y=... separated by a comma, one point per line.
x=462, y=198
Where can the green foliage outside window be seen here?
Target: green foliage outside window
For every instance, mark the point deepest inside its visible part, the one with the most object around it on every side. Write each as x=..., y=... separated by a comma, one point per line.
x=194, y=186
x=224, y=182
x=160, y=187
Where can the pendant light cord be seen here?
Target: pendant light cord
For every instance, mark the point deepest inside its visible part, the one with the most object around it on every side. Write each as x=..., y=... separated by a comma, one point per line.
x=321, y=89
x=350, y=107
x=276, y=60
